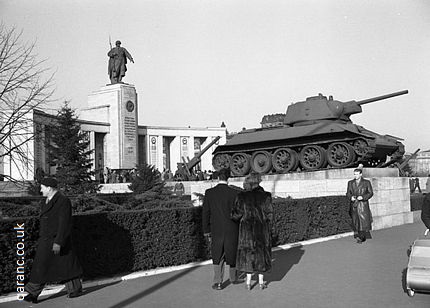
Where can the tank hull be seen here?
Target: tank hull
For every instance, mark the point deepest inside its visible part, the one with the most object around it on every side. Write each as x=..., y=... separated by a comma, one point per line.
x=326, y=144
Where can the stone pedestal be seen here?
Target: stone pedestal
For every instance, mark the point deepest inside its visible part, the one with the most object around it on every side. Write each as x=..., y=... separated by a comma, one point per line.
x=116, y=104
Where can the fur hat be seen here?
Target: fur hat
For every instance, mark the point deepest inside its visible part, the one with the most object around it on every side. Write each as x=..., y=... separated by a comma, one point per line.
x=253, y=179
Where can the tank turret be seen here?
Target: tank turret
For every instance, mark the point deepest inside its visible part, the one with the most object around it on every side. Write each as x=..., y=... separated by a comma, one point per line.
x=319, y=108
x=317, y=133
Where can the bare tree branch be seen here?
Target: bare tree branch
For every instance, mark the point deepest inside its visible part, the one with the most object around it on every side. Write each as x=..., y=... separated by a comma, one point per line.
x=25, y=84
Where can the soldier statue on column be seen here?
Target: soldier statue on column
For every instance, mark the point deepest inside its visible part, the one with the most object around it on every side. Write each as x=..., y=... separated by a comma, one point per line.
x=117, y=62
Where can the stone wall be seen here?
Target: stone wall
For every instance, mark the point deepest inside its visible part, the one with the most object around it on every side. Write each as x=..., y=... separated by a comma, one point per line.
x=390, y=204
x=114, y=188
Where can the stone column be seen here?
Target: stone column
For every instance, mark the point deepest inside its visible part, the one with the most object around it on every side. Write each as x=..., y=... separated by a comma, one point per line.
x=117, y=105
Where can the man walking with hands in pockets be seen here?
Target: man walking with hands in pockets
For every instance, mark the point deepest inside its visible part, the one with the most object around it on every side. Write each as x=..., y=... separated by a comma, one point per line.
x=55, y=261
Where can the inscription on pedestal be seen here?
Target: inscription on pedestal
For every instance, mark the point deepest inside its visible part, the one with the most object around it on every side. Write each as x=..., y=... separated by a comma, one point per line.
x=129, y=128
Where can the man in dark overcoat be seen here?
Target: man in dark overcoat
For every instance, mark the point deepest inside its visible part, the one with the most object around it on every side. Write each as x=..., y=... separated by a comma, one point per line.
x=359, y=192
x=221, y=231
x=55, y=260
x=425, y=211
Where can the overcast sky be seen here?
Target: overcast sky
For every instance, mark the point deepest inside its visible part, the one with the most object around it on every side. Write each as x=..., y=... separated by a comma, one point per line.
x=201, y=62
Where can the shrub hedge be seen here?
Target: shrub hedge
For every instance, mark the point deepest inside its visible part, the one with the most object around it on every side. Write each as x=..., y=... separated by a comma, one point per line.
x=95, y=203
x=22, y=200
x=116, y=198
x=8, y=209
x=111, y=243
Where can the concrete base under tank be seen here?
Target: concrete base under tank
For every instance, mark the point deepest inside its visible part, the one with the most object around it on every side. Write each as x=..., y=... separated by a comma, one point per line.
x=390, y=204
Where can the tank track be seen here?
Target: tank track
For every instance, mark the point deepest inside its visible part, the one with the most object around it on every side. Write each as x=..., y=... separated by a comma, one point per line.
x=312, y=156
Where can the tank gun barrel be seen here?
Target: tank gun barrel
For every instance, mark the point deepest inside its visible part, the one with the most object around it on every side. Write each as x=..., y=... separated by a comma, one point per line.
x=378, y=98
x=403, y=165
x=215, y=140
x=185, y=168
x=196, y=159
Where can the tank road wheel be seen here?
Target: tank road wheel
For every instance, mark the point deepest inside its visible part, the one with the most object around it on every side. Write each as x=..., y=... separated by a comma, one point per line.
x=361, y=147
x=340, y=154
x=261, y=162
x=221, y=161
x=284, y=160
x=239, y=164
x=312, y=157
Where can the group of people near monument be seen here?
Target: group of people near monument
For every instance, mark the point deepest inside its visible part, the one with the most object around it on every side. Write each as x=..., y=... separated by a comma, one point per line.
x=198, y=175
x=237, y=224
x=111, y=176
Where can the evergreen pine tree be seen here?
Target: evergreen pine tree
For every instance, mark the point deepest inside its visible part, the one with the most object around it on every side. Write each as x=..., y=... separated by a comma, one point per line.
x=147, y=177
x=70, y=152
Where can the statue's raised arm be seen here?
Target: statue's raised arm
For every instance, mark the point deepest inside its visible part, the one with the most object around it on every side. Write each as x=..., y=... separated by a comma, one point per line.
x=117, y=62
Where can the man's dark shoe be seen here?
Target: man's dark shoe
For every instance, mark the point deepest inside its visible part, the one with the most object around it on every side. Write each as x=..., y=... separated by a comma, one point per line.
x=75, y=294
x=361, y=240
x=31, y=298
x=238, y=281
x=217, y=286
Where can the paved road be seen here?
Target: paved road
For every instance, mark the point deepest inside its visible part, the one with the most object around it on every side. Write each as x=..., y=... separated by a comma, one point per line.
x=337, y=273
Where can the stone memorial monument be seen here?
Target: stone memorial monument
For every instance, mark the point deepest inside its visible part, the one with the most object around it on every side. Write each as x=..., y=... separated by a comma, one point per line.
x=116, y=105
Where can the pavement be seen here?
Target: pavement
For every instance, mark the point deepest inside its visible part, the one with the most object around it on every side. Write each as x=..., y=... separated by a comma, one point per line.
x=329, y=272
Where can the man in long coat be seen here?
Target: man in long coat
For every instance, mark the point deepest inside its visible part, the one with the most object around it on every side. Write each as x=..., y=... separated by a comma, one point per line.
x=54, y=261
x=218, y=227
x=359, y=192
x=117, y=62
x=425, y=211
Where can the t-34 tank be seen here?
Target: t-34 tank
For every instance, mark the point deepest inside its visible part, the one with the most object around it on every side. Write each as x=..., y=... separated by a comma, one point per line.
x=316, y=134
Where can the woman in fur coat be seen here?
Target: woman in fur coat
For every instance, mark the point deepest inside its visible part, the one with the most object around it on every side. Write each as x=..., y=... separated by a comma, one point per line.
x=253, y=208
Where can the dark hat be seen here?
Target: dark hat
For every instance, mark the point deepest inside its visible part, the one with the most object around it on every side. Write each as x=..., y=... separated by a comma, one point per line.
x=48, y=181
x=118, y=42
